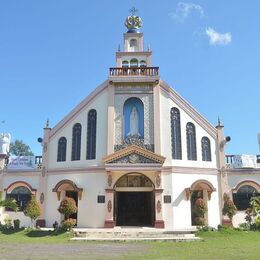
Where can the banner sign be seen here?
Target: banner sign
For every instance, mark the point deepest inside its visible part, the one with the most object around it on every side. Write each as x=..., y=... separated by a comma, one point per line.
x=244, y=161
x=21, y=163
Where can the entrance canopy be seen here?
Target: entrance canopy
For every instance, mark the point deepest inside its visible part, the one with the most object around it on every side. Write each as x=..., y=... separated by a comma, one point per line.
x=200, y=185
x=67, y=185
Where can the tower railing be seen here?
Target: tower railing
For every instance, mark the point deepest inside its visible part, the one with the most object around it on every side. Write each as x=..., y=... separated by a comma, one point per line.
x=133, y=71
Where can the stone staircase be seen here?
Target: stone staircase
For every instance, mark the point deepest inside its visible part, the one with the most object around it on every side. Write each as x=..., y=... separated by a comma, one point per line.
x=133, y=234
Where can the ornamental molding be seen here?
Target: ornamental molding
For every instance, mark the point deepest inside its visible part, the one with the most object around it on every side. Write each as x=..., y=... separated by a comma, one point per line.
x=134, y=155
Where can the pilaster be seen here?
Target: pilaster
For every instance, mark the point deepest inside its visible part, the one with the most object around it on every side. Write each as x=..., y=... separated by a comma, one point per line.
x=157, y=119
x=111, y=119
x=43, y=177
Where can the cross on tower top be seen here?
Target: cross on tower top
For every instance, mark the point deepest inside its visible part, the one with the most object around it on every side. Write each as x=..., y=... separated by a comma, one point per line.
x=133, y=10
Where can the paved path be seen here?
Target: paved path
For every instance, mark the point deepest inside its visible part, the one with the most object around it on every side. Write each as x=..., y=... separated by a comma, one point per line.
x=73, y=250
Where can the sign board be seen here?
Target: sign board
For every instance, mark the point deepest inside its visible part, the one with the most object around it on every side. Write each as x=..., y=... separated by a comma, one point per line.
x=244, y=161
x=21, y=163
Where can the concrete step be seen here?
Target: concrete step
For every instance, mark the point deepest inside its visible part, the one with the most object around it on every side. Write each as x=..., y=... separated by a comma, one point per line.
x=173, y=238
x=132, y=234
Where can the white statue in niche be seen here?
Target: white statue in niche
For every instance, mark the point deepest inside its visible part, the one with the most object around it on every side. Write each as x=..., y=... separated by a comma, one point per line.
x=134, y=122
x=5, y=139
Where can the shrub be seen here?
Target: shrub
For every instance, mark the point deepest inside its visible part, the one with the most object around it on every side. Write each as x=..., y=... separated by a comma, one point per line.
x=7, y=223
x=33, y=209
x=229, y=208
x=67, y=207
x=200, y=207
x=17, y=224
x=68, y=224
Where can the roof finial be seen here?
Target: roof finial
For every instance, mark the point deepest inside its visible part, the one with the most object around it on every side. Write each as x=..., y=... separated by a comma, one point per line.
x=47, y=123
x=133, y=22
x=219, y=121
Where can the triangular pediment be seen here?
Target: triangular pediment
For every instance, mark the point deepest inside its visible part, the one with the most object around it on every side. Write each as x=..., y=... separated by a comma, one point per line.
x=134, y=155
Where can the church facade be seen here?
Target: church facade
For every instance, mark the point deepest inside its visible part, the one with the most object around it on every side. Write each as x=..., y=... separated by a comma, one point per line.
x=132, y=153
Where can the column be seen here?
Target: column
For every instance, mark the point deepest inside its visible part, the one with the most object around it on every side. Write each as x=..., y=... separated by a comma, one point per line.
x=109, y=219
x=159, y=222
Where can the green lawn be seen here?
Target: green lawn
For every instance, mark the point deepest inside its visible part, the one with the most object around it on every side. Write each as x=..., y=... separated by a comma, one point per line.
x=226, y=244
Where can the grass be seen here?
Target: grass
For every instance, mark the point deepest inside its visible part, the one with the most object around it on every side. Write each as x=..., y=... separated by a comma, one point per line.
x=226, y=244
x=34, y=236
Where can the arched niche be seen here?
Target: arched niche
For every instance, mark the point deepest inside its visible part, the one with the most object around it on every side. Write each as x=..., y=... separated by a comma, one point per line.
x=129, y=106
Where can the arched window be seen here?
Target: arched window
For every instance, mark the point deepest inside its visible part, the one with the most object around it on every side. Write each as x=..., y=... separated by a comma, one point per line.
x=22, y=195
x=142, y=63
x=76, y=142
x=62, y=148
x=125, y=64
x=176, y=133
x=133, y=118
x=92, y=134
x=243, y=196
x=133, y=43
x=205, y=149
x=133, y=63
x=191, y=142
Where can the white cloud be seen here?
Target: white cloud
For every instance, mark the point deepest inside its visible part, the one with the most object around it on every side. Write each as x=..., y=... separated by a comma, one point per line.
x=216, y=38
x=184, y=10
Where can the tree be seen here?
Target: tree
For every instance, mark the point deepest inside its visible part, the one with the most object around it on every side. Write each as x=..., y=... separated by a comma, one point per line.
x=229, y=208
x=200, y=208
x=33, y=209
x=67, y=207
x=19, y=148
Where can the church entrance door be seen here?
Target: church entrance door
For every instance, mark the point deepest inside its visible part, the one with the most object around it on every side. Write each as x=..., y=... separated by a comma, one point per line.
x=134, y=201
x=134, y=208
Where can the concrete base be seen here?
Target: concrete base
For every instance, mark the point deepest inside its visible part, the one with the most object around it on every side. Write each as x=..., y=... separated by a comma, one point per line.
x=109, y=224
x=159, y=224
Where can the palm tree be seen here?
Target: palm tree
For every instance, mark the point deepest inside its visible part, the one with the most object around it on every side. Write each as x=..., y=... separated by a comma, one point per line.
x=255, y=204
x=9, y=203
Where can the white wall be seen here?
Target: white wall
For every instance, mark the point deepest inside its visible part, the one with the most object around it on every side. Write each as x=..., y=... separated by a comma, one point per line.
x=11, y=177
x=90, y=213
x=178, y=215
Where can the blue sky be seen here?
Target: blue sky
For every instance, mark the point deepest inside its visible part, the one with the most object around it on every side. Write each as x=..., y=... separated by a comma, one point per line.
x=53, y=53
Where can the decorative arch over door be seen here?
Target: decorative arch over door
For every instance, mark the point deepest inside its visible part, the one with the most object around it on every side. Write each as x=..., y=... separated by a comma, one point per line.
x=67, y=185
x=200, y=185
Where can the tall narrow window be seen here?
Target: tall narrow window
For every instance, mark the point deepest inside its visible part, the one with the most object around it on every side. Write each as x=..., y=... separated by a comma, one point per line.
x=205, y=149
x=76, y=142
x=92, y=134
x=176, y=133
x=62, y=147
x=191, y=142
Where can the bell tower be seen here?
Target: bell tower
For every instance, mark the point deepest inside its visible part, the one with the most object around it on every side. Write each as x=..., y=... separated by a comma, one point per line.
x=133, y=54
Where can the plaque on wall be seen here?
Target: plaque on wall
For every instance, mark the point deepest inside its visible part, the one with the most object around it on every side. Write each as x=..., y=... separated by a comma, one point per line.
x=101, y=199
x=167, y=199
